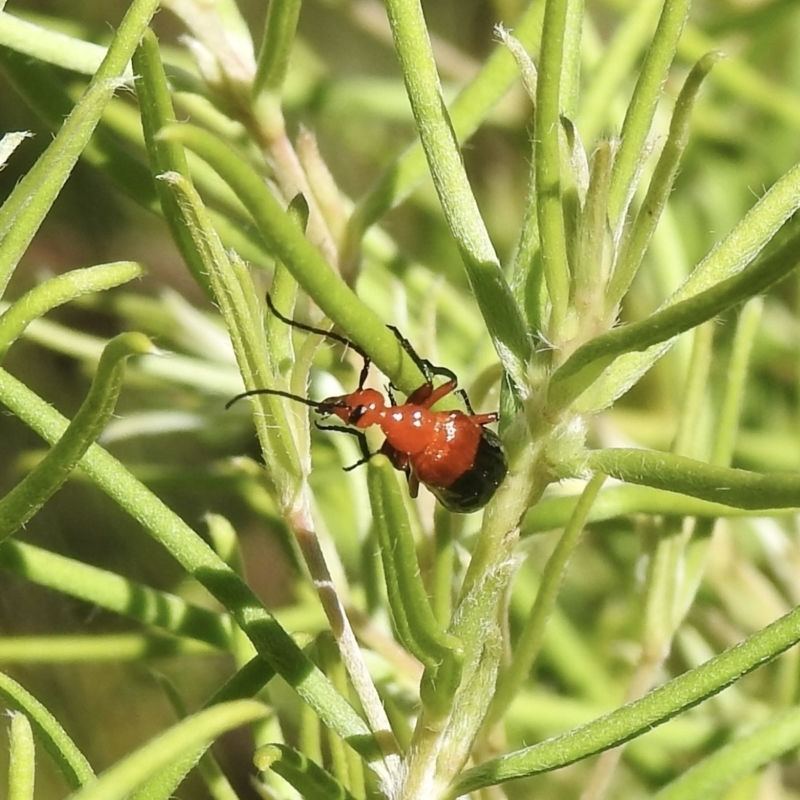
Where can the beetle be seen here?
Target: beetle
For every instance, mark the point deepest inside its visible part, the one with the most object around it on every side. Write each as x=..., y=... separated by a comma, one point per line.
x=453, y=453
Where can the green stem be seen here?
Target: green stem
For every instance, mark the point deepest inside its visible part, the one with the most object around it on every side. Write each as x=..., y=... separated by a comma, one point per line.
x=530, y=639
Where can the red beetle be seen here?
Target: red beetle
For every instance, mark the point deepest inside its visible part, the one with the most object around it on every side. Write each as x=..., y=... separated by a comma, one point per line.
x=460, y=460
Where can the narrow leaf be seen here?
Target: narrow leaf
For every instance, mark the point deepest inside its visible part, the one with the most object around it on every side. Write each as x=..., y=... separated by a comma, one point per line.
x=634, y=719
x=25, y=499
x=35, y=193
x=183, y=743
x=411, y=610
x=310, y=779
x=70, y=761
x=21, y=759
x=59, y=290
x=739, y=488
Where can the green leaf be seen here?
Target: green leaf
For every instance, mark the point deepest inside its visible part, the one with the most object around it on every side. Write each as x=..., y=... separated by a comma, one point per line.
x=123, y=647
x=178, y=748
x=438, y=138
x=735, y=487
x=70, y=761
x=276, y=45
x=155, y=104
x=547, y=154
x=113, y=592
x=759, y=747
x=634, y=719
x=59, y=290
x=247, y=682
x=469, y=110
x=310, y=779
x=45, y=44
x=616, y=502
x=21, y=759
x=235, y=294
x=642, y=107
x=637, y=238
x=25, y=499
x=634, y=342
x=31, y=199
x=411, y=610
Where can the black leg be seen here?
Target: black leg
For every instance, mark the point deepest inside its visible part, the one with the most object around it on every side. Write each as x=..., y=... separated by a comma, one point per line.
x=463, y=395
x=425, y=367
x=362, y=377
x=362, y=442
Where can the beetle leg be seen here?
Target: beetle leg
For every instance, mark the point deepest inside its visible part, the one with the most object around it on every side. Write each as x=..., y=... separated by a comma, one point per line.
x=463, y=395
x=362, y=442
x=437, y=394
x=426, y=395
x=400, y=462
x=362, y=376
x=485, y=419
x=427, y=368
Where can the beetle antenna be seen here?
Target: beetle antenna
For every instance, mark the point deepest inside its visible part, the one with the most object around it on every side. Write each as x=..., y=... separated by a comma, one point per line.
x=337, y=337
x=322, y=408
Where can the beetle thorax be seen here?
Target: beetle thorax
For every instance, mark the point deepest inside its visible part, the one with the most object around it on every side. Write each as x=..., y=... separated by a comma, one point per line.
x=360, y=409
